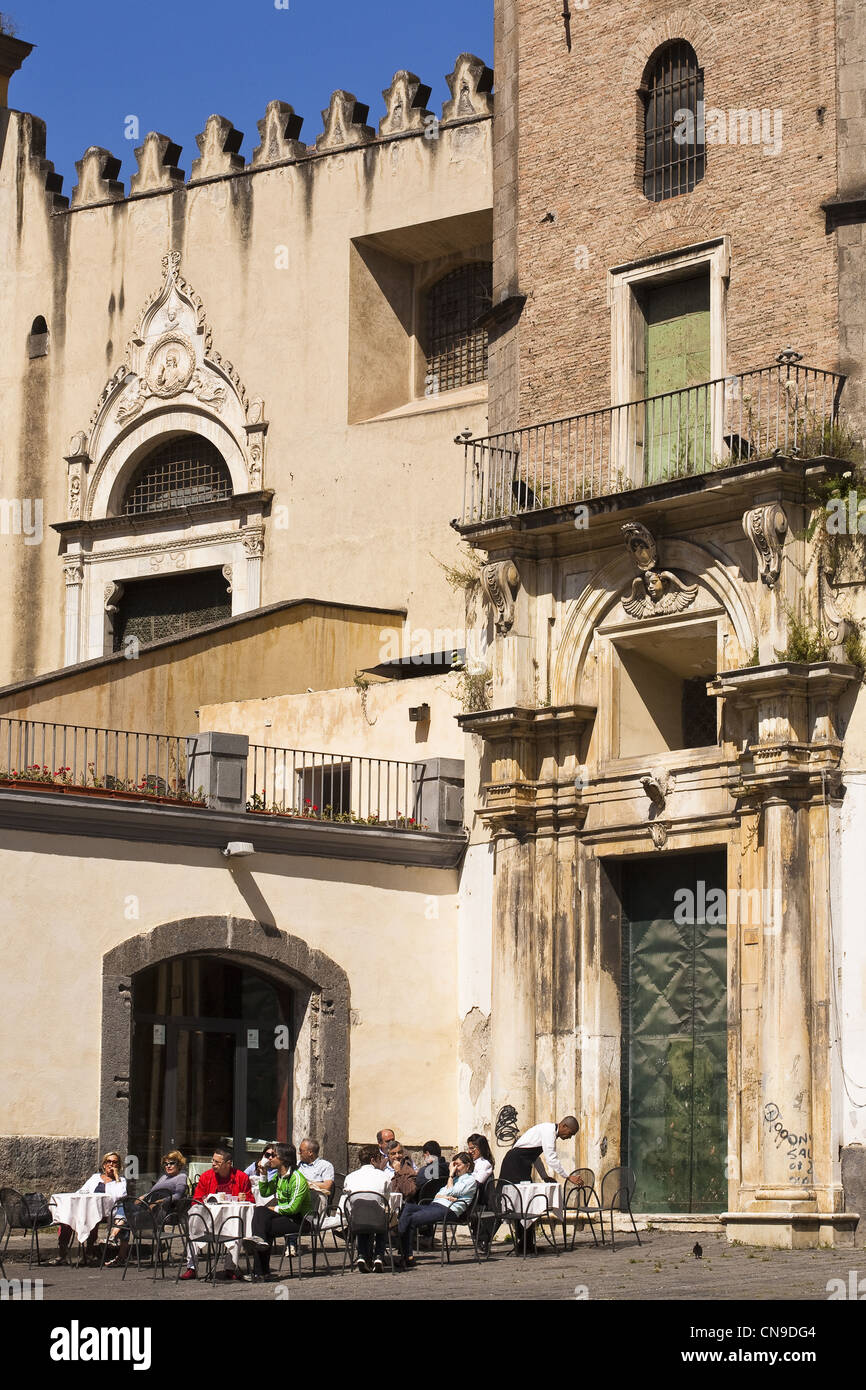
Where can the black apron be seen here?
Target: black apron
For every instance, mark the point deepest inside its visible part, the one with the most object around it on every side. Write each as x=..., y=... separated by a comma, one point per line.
x=517, y=1165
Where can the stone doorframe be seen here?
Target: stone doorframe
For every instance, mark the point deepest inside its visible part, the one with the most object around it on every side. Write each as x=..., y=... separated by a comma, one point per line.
x=321, y=1022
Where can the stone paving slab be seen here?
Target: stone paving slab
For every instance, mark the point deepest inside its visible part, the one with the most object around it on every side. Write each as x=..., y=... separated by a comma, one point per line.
x=661, y=1268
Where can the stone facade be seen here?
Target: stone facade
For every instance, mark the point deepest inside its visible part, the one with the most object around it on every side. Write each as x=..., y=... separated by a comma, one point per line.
x=587, y=789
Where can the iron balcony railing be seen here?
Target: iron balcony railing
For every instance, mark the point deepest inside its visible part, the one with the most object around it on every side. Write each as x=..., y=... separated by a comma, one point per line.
x=80, y=756
x=781, y=409
x=333, y=786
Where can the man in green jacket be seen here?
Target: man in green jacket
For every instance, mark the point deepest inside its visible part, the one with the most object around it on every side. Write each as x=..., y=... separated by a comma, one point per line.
x=292, y=1201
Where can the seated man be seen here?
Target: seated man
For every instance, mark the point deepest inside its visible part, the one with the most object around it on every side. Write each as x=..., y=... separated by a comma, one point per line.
x=452, y=1199
x=318, y=1171
x=292, y=1201
x=370, y=1176
x=434, y=1167
x=383, y=1139
x=404, y=1180
x=221, y=1178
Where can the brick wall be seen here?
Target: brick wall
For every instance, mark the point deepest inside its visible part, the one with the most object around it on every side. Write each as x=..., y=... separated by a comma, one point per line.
x=851, y=235
x=580, y=160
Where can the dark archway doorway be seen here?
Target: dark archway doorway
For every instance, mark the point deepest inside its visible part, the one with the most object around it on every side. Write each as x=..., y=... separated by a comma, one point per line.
x=212, y=1060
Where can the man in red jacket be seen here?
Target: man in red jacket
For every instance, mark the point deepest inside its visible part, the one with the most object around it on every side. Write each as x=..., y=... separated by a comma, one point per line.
x=221, y=1177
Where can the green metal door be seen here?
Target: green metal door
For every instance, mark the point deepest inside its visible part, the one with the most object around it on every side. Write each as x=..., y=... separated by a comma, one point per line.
x=674, y=1032
x=677, y=428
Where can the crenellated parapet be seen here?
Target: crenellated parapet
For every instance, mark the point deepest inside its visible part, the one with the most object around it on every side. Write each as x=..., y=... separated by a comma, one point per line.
x=344, y=126
x=471, y=87
x=97, y=178
x=345, y=123
x=157, y=165
x=405, y=105
x=218, y=145
x=278, y=130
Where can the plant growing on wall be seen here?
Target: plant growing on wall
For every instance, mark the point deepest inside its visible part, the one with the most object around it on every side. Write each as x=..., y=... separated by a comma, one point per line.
x=362, y=685
x=472, y=688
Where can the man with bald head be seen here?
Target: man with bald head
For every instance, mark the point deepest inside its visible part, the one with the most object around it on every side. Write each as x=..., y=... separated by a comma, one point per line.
x=383, y=1139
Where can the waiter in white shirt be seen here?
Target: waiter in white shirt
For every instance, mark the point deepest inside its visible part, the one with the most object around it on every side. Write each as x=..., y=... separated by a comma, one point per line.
x=541, y=1139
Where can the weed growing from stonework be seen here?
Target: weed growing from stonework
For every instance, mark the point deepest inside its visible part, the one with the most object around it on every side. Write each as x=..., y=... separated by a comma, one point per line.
x=837, y=527
x=472, y=689
x=464, y=575
x=806, y=642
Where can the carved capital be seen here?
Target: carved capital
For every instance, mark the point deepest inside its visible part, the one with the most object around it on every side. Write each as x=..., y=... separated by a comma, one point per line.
x=500, y=582
x=254, y=543
x=73, y=572
x=767, y=527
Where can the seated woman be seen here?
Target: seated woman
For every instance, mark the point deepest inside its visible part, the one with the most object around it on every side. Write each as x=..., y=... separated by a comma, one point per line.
x=479, y=1151
x=404, y=1180
x=167, y=1188
x=107, y=1180
x=452, y=1199
x=292, y=1200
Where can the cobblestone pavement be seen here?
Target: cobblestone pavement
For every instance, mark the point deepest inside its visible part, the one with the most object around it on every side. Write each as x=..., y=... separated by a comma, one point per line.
x=662, y=1268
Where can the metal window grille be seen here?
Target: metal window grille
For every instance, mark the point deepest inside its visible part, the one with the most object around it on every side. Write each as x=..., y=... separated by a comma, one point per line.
x=181, y=473
x=151, y=609
x=700, y=714
x=456, y=349
x=674, y=137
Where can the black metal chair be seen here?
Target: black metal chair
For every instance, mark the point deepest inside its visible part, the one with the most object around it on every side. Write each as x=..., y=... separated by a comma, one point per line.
x=367, y=1213
x=484, y=1218
x=172, y=1226
x=617, y=1190
x=132, y=1225
x=577, y=1200
x=449, y=1223
x=26, y=1211
x=311, y=1226
x=507, y=1211
x=3, y=1224
x=202, y=1231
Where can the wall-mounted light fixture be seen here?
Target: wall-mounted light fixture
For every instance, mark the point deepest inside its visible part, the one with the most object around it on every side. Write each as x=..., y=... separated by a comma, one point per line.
x=238, y=849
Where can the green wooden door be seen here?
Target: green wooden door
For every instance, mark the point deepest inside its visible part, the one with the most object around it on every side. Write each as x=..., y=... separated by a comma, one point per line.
x=674, y=1033
x=677, y=430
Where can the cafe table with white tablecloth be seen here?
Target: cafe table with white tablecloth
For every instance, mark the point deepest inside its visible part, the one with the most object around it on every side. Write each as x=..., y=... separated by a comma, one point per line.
x=534, y=1199
x=80, y=1210
x=233, y=1218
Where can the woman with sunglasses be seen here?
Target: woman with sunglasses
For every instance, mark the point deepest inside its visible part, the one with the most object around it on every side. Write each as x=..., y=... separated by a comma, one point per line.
x=265, y=1166
x=168, y=1188
x=108, y=1180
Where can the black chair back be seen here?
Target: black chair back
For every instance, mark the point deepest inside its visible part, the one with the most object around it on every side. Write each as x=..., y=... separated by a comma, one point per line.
x=578, y=1196
x=367, y=1212
x=429, y=1189
x=617, y=1189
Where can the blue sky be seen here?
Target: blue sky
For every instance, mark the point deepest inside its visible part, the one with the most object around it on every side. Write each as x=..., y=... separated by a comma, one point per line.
x=173, y=64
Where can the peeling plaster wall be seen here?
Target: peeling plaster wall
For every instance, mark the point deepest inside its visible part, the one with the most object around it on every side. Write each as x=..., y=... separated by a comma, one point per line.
x=850, y=962
x=474, y=946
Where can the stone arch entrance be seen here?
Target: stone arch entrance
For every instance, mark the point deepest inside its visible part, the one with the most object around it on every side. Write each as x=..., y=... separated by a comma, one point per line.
x=321, y=1042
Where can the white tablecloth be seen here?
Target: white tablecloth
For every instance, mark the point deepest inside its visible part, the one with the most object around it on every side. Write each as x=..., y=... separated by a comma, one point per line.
x=80, y=1210
x=222, y=1214
x=529, y=1197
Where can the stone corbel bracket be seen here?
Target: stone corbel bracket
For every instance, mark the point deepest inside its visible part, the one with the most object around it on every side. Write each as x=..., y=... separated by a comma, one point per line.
x=658, y=785
x=500, y=582
x=767, y=528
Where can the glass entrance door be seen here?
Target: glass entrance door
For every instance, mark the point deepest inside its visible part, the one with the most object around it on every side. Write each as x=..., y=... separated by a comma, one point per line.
x=674, y=1032
x=202, y=1094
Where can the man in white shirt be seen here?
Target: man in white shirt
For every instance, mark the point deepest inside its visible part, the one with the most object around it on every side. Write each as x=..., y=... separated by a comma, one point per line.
x=541, y=1139
x=318, y=1171
x=369, y=1176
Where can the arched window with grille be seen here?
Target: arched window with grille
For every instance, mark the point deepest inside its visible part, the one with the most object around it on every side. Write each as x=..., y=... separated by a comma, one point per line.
x=183, y=472
x=674, y=138
x=456, y=347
